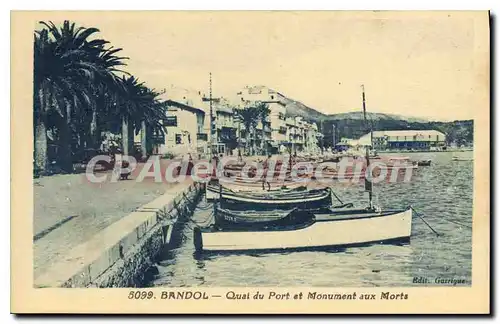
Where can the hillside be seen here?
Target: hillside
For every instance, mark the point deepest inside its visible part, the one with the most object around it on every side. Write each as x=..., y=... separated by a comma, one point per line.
x=297, y=108
x=351, y=124
x=375, y=116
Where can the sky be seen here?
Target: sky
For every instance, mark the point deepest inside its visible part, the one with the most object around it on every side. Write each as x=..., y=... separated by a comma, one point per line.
x=430, y=65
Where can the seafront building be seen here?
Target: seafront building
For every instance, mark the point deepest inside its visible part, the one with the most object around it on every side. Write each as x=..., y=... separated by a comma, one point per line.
x=282, y=133
x=187, y=125
x=405, y=140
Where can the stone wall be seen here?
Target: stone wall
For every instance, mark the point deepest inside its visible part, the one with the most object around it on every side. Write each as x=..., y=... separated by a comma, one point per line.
x=122, y=254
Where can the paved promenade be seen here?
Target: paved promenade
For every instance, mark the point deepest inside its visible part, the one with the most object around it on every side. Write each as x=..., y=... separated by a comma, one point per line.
x=69, y=210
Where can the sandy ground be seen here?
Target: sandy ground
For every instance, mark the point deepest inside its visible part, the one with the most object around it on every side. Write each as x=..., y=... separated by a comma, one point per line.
x=89, y=208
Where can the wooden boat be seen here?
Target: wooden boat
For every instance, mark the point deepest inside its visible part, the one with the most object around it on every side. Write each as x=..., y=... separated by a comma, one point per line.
x=424, y=163
x=212, y=190
x=257, y=186
x=238, y=218
x=225, y=218
x=302, y=198
x=356, y=227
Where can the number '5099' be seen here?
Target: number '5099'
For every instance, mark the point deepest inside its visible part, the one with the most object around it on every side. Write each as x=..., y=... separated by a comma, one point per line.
x=140, y=295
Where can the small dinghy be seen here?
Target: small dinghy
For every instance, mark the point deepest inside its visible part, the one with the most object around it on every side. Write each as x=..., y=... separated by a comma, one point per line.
x=424, y=163
x=461, y=158
x=344, y=228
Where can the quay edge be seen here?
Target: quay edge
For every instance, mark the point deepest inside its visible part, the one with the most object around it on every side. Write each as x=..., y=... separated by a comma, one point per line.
x=121, y=254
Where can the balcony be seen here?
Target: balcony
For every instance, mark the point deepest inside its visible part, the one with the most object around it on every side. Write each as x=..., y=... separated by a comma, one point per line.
x=225, y=123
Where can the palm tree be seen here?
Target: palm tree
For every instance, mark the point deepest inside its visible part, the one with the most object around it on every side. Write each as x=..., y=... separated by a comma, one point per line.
x=107, y=84
x=250, y=118
x=63, y=67
x=80, y=90
x=138, y=108
x=264, y=112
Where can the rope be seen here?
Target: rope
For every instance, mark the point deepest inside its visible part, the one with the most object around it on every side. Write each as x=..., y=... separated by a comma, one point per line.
x=335, y=195
x=188, y=200
x=425, y=222
x=457, y=223
x=447, y=220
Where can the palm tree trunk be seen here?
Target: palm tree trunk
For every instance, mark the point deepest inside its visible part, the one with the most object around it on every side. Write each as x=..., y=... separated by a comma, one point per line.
x=125, y=137
x=65, y=158
x=254, y=143
x=40, y=146
x=144, y=149
x=263, y=140
x=131, y=132
x=247, y=144
x=94, y=134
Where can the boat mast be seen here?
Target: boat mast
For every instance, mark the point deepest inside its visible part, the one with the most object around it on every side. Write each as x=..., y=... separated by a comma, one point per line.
x=213, y=134
x=368, y=176
x=212, y=120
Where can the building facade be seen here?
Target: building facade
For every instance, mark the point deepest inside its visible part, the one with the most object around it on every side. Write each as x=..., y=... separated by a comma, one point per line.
x=406, y=140
x=280, y=133
x=184, y=125
x=187, y=125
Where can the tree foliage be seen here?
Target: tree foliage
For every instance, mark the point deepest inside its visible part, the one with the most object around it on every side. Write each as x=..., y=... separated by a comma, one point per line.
x=80, y=91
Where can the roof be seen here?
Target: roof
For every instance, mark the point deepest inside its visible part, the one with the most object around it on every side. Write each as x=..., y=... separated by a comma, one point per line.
x=185, y=107
x=225, y=109
x=407, y=133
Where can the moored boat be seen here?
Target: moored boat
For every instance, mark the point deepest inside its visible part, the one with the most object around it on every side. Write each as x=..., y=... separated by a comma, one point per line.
x=301, y=198
x=424, y=163
x=357, y=227
x=228, y=218
x=212, y=191
x=248, y=218
x=461, y=158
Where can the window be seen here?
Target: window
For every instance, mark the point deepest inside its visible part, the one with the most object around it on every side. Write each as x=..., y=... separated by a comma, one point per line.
x=178, y=138
x=272, y=97
x=170, y=121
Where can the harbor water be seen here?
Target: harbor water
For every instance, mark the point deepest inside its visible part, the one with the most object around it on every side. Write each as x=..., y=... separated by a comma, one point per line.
x=442, y=193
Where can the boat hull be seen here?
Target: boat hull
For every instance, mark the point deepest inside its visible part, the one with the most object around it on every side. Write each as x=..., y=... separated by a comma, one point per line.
x=224, y=217
x=269, y=200
x=321, y=232
x=302, y=200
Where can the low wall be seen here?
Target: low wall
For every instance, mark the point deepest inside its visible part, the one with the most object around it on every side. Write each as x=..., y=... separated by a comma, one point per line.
x=121, y=254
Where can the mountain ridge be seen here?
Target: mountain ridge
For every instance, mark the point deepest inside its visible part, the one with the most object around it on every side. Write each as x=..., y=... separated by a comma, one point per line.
x=297, y=108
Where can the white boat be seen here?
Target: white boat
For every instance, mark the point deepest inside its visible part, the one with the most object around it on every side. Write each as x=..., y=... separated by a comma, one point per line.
x=358, y=227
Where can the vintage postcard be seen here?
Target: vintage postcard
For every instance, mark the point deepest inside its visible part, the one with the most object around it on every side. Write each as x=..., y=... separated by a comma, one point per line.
x=258, y=162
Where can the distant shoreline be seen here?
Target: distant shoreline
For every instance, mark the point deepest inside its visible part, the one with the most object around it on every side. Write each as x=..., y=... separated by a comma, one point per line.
x=427, y=151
